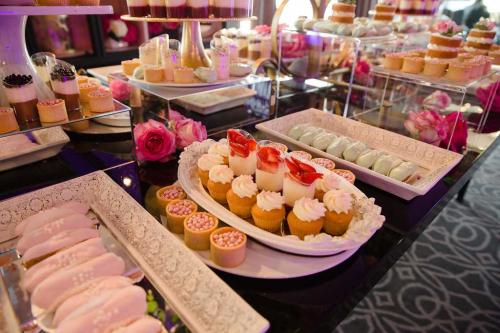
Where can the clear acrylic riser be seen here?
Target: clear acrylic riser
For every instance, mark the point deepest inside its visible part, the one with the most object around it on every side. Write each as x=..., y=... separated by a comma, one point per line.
x=321, y=60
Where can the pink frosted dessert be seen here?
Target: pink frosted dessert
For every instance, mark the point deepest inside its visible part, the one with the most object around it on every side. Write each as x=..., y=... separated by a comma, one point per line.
x=35, y=221
x=98, y=287
x=145, y=324
x=60, y=241
x=74, y=255
x=50, y=229
x=107, y=313
x=58, y=287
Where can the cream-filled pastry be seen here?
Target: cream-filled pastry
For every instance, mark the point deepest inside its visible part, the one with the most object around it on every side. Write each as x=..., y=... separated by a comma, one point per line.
x=243, y=152
x=385, y=163
x=324, y=140
x=352, y=151
x=297, y=131
x=337, y=147
x=309, y=136
x=299, y=181
x=270, y=170
x=403, y=171
x=368, y=157
x=206, y=74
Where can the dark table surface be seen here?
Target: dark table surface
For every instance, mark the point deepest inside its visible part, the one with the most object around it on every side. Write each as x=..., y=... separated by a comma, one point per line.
x=315, y=303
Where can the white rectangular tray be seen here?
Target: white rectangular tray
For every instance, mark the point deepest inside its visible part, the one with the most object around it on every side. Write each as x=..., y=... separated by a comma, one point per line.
x=212, y=102
x=433, y=162
x=49, y=143
x=203, y=301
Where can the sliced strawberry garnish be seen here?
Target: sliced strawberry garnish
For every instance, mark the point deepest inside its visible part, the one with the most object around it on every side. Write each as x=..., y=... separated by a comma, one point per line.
x=268, y=159
x=302, y=172
x=240, y=142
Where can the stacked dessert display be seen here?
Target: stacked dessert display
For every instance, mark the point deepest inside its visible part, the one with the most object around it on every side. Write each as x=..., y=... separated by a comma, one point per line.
x=384, y=11
x=251, y=45
x=158, y=64
x=442, y=59
x=73, y=278
x=75, y=97
x=481, y=37
x=418, y=7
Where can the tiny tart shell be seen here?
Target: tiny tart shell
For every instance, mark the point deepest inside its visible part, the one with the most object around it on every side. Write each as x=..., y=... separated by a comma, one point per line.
x=163, y=202
x=198, y=240
x=175, y=222
x=227, y=256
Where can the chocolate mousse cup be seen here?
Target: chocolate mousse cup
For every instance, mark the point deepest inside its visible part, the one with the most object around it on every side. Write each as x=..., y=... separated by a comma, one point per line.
x=176, y=8
x=222, y=8
x=21, y=94
x=138, y=8
x=65, y=87
x=158, y=8
x=198, y=8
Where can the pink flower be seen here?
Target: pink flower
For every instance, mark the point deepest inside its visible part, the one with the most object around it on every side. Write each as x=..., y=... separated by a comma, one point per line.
x=484, y=96
x=263, y=29
x=188, y=131
x=175, y=116
x=153, y=141
x=447, y=27
x=457, y=134
x=438, y=100
x=427, y=126
x=485, y=24
x=120, y=90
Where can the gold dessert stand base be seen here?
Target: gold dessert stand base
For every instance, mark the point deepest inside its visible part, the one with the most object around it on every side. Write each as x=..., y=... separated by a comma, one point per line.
x=193, y=52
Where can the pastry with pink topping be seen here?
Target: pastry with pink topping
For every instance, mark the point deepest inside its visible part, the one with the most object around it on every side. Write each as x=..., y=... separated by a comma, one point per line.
x=57, y=287
x=177, y=211
x=228, y=247
x=219, y=182
x=324, y=162
x=269, y=211
x=339, y=211
x=270, y=169
x=304, y=155
x=242, y=196
x=299, y=181
x=205, y=163
x=167, y=194
x=242, y=152
x=197, y=230
x=52, y=111
x=107, y=312
x=306, y=218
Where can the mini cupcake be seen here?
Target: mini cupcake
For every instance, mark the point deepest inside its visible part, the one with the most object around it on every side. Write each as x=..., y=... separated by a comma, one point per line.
x=346, y=174
x=169, y=193
x=197, y=230
x=228, y=247
x=219, y=182
x=220, y=148
x=205, y=163
x=324, y=162
x=301, y=155
x=339, y=213
x=328, y=182
x=269, y=211
x=393, y=61
x=242, y=196
x=306, y=218
x=177, y=211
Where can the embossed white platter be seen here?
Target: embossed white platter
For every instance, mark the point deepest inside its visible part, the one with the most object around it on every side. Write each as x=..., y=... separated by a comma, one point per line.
x=196, y=84
x=433, y=162
x=49, y=141
x=263, y=262
x=366, y=221
x=203, y=301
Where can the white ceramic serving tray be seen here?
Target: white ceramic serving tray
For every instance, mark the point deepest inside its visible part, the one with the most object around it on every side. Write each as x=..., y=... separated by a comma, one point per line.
x=433, y=162
x=367, y=220
x=196, y=84
x=50, y=142
x=115, y=120
x=203, y=301
x=212, y=102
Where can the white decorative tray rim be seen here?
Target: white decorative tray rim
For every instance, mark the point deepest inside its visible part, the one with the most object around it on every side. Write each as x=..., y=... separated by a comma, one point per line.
x=198, y=84
x=436, y=160
x=366, y=222
x=203, y=301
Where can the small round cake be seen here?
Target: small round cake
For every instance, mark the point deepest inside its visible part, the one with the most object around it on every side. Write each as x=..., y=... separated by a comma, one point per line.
x=324, y=162
x=8, y=122
x=154, y=74
x=177, y=211
x=228, y=247
x=183, y=75
x=128, y=66
x=101, y=101
x=169, y=193
x=197, y=230
x=344, y=12
x=301, y=155
x=85, y=89
x=52, y=111
x=413, y=65
x=347, y=174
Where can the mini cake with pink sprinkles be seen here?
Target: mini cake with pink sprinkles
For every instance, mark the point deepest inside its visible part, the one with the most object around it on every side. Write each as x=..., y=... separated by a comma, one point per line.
x=197, y=230
x=167, y=194
x=177, y=211
x=228, y=247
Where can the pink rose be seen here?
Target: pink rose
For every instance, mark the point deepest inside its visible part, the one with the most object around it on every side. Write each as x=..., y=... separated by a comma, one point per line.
x=263, y=29
x=457, y=134
x=447, y=27
x=188, y=131
x=484, y=96
x=153, y=141
x=427, y=126
x=175, y=116
x=438, y=100
x=120, y=90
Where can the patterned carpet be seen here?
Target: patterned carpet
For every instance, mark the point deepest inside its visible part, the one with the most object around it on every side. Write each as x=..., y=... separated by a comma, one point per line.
x=449, y=280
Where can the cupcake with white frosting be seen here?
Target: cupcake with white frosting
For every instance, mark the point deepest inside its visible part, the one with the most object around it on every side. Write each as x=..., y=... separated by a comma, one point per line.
x=339, y=211
x=220, y=148
x=219, y=182
x=306, y=218
x=269, y=211
x=205, y=163
x=242, y=196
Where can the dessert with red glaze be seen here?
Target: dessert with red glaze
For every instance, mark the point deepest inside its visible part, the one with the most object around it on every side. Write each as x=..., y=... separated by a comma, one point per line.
x=177, y=211
x=243, y=152
x=228, y=247
x=138, y=8
x=299, y=181
x=197, y=230
x=270, y=169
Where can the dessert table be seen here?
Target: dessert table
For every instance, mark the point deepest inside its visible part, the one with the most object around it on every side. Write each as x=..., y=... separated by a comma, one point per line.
x=314, y=303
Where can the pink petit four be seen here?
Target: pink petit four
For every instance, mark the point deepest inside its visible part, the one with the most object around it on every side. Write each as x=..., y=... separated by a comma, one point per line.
x=60, y=241
x=35, y=221
x=58, y=287
x=107, y=313
x=74, y=255
x=50, y=229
